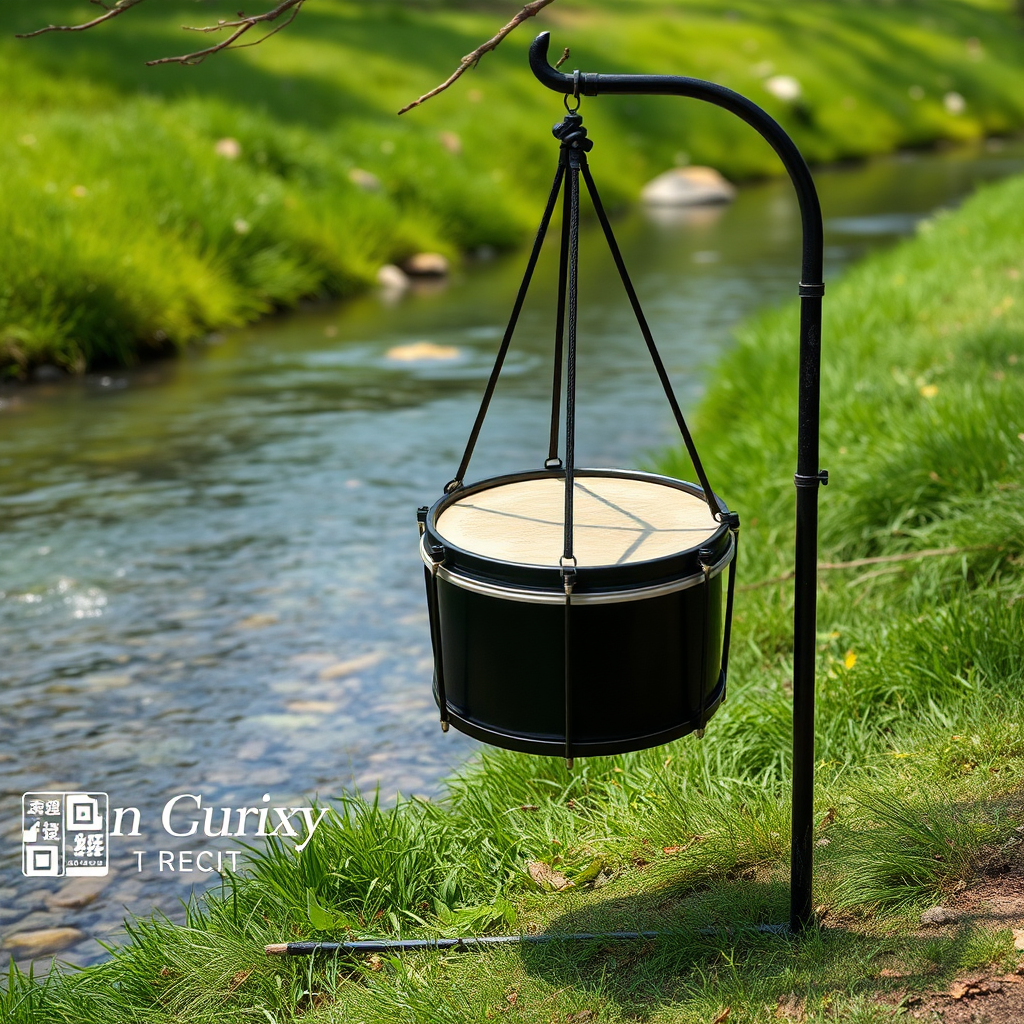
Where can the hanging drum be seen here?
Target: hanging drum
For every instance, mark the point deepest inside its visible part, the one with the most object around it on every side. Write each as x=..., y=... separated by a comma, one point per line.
x=578, y=611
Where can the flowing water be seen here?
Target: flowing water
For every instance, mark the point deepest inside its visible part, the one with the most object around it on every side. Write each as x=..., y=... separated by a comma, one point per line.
x=209, y=580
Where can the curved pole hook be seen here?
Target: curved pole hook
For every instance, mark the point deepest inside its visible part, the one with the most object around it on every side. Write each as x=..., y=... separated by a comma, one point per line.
x=808, y=476
x=676, y=85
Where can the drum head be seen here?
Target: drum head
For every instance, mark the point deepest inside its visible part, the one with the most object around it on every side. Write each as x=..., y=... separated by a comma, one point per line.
x=617, y=520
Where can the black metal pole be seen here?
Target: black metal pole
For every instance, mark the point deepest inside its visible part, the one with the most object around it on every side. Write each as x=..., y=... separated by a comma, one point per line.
x=808, y=477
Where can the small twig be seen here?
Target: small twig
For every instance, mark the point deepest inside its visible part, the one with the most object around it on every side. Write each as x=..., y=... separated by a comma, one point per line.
x=873, y=575
x=111, y=12
x=561, y=60
x=472, y=59
x=241, y=26
x=857, y=563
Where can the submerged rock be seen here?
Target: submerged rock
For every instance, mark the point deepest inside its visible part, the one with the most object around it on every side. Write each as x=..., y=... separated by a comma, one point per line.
x=426, y=264
x=688, y=186
x=79, y=892
x=24, y=945
x=414, y=353
x=393, y=278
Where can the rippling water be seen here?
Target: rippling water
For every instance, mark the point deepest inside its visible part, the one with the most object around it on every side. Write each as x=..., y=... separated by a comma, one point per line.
x=208, y=572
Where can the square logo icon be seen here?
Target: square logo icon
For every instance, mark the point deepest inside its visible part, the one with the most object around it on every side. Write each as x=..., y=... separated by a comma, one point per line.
x=82, y=811
x=41, y=860
x=65, y=834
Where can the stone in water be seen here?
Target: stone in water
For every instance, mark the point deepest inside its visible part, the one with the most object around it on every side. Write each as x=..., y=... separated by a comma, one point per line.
x=24, y=945
x=426, y=264
x=420, y=350
x=688, y=186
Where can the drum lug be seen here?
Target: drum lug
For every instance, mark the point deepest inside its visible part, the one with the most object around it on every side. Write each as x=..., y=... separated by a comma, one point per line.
x=421, y=518
x=436, y=554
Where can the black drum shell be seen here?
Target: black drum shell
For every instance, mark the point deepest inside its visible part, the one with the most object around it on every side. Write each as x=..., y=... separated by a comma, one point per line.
x=636, y=669
x=644, y=669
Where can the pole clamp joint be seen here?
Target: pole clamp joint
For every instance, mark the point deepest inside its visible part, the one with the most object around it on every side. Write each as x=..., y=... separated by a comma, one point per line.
x=811, y=291
x=816, y=479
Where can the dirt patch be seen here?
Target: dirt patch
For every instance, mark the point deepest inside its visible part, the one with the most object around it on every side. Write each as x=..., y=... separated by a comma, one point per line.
x=995, y=900
x=975, y=999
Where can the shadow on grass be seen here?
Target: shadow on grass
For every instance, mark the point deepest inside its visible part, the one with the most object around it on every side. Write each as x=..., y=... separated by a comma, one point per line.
x=714, y=952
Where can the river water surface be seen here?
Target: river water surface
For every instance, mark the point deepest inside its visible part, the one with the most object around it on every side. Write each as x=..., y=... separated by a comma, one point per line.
x=209, y=580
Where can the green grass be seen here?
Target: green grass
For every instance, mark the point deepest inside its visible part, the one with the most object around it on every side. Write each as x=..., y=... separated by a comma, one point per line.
x=123, y=233
x=920, y=746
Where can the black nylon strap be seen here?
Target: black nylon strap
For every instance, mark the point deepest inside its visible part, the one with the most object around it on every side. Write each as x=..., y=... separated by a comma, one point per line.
x=645, y=330
x=572, y=188
x=572, y=162
x=567, y=633
x=556, y=374
x=706, y=554
x=434, y=615
x=506, y=340
x=734, y=529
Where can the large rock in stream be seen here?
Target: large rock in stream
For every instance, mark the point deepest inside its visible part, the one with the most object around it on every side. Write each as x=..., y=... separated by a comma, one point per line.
x=41, y=942
x=688, y=186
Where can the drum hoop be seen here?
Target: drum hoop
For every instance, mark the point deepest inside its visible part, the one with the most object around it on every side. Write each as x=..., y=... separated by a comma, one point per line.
x=555, y=597
x=473, y=563
x=528, y=744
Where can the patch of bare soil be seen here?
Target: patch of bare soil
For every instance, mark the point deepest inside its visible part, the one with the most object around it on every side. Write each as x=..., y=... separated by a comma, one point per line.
x=995, y=900
x=977, y=999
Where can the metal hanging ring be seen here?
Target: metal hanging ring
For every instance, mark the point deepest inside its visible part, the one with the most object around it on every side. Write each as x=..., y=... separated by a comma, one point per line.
x=575, y=93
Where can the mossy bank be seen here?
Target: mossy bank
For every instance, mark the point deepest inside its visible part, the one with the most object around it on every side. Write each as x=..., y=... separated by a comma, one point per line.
x=144, y=207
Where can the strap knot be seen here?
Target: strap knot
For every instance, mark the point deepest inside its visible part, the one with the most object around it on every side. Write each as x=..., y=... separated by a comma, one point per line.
x=571, y=133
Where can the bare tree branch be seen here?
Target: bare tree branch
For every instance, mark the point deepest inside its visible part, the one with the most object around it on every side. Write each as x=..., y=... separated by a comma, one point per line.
x=112, y=12
x=472, y=59
x=241, y=26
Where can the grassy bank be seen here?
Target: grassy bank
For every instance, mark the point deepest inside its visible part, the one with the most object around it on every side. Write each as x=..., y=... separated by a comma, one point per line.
x=124, y=230
x=920, y=742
